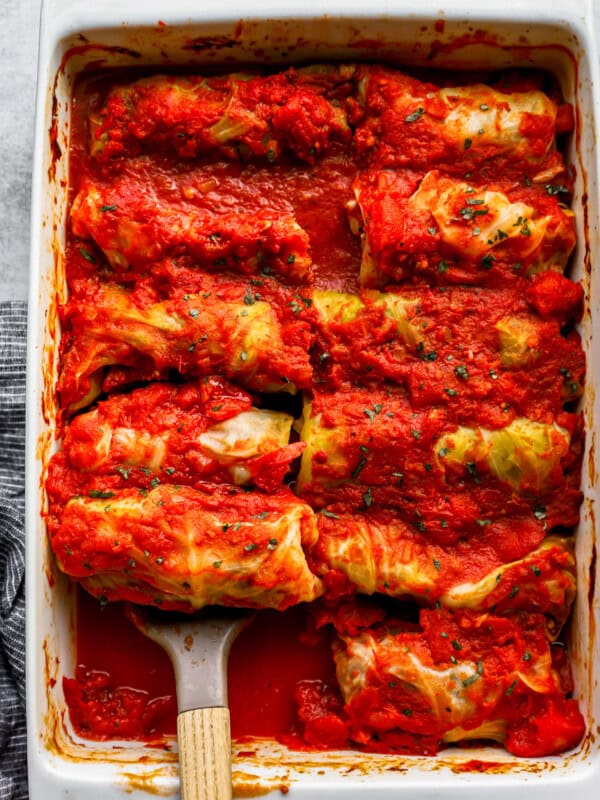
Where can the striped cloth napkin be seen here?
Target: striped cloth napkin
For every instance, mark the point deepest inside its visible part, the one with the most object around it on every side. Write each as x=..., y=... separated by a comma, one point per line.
x=13, y=738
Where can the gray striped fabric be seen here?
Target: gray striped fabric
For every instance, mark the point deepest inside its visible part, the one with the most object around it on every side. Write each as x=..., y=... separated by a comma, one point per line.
x=13, y=341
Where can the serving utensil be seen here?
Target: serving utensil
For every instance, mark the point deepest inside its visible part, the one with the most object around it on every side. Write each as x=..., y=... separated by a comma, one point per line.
x=199, y=648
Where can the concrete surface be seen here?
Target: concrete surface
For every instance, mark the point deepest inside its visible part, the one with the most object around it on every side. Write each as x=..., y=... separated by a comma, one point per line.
x=18, y=63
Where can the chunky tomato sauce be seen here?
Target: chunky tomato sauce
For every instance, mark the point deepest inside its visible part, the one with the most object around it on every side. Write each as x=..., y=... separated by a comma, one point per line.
x=382, y=259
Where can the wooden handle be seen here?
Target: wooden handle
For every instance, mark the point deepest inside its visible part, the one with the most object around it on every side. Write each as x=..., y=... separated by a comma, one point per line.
x=204, y=740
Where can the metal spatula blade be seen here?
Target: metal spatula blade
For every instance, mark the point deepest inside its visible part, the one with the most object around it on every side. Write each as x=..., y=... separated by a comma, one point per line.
x=199, y=648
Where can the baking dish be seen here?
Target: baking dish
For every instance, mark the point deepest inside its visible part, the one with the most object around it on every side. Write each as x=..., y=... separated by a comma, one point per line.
x=120, y=34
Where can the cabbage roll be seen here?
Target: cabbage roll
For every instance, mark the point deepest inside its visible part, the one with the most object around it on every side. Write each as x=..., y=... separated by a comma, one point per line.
x=237, y=115
x=135, y=225
x=205, y=430
x=381, y=553
x=517, y=363
x=458, y=676
x=444, y=230
x=262, y=347
x=409, y=123
x=371, y=448
x=181, y=548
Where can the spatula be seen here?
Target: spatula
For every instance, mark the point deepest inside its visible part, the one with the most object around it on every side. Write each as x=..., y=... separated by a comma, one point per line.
x=199, y=648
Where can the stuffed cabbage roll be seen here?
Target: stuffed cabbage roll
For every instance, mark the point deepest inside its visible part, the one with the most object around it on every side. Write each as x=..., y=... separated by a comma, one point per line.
x=372, y=448
x=517, y=363
x=205, y=430
x=239, y=115
x=494, y=569
x=458, y=676
x=182, y=548
x=263, y=347
x=444, y=230
x=409, y=123
x=135, y=225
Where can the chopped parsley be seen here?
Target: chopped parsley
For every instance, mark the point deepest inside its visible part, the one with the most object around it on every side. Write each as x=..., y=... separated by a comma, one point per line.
x=461, y=372
x=108, y=208
x=399, y=477
x=329, y=514
x=371, y=413
x=471, y=467
x=415, y=115
x=511, y=688
x=368, y=497
x=88, y=256
x=102, y=495
x=359, y=467
x=436, y=564
x=468, y=143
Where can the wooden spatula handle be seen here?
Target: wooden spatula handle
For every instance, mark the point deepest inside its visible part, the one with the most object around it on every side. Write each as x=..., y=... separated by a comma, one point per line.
x=204, y=740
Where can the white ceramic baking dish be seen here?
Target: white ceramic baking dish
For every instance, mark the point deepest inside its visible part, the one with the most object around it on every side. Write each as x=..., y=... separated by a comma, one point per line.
x=76, y=34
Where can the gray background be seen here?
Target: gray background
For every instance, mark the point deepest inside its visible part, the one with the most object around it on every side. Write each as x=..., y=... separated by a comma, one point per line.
x=19, y=26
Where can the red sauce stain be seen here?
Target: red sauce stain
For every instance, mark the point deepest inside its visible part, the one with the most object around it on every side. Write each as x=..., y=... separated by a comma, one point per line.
x=474, y=765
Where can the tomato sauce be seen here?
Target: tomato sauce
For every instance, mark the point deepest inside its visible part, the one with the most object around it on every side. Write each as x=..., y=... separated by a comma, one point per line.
x=282, y=675
x=124, y=683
